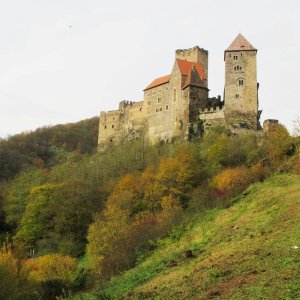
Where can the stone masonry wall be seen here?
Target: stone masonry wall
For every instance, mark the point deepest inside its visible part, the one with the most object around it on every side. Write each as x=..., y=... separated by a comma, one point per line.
x=127, y=122
x=241, y=103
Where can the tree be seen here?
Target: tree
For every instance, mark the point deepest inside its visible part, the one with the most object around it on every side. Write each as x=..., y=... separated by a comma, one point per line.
x=35, y=220
x=75, y=201
x=107, y=228
x=16, y=194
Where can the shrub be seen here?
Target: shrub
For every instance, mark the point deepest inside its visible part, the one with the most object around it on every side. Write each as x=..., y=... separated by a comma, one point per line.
x=52, y=267
x=232, y=180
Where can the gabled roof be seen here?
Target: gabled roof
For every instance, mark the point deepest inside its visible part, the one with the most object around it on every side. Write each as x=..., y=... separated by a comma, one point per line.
x=186, y=66
x=193, y=79
x=158, y=81
x=240, y=43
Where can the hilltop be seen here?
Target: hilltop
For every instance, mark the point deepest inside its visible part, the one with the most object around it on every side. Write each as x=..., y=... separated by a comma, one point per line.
x=246, y=251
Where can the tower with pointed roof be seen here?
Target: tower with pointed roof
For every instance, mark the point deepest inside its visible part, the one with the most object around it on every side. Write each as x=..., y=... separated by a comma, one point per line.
x=241, y=87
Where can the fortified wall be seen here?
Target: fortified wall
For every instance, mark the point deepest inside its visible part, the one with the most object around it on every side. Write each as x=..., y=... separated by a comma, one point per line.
x=126, y=122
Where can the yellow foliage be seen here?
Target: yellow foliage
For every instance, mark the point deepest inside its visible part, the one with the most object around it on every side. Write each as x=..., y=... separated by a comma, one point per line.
x=107, y=228
x=177, y=174
x=127, y=193
x=229, y=179
x=279, y=141
x=52, y=266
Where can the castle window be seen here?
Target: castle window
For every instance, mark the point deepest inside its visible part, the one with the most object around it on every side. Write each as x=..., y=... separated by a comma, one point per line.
x=235, y=57
x=141, y=109
x=113, y=118
x=149, y=102
x=234, y=68
x=241, y=82
x=153, y=92
x=112, y=126
x=160, y=109
x=167, y=107
x=104, y=126
x=174, y=95
x=111, y=140
x=158, y=100
x=229, y=55
x=237, y=96
x=167, y=88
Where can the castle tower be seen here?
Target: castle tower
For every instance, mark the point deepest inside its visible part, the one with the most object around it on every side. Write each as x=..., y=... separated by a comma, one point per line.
x=196, y=55
x=241, y=87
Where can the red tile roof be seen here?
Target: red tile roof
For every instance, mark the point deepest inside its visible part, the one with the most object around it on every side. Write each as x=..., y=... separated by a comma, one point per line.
x=240, y=43
x=158, y=81
x=193, y=79
x=185, y=67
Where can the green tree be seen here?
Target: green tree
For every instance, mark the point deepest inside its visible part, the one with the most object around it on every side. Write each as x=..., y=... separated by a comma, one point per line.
x=35, y=221
x=16, y=194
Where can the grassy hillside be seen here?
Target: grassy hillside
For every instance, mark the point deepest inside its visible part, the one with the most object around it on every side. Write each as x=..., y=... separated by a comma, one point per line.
x=247, y=251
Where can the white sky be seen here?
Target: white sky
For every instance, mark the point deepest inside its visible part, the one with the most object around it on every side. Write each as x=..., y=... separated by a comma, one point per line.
x=66, y=60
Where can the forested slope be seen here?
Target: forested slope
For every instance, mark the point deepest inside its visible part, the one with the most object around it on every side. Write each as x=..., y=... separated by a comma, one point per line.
x=247, y=251
x=72, y=219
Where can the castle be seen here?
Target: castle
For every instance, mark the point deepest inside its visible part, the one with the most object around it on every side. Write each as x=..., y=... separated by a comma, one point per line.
x=174, y=105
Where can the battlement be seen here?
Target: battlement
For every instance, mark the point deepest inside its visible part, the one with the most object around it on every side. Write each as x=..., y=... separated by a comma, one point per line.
x=212, y=109
x=189, y=51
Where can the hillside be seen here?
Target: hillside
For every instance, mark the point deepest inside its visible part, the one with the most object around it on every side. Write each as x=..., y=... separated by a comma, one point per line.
x=39, y=147
x=250, y=250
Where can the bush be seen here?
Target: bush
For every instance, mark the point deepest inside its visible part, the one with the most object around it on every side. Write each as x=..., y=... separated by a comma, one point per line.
x=231, y=181
x=52, y=267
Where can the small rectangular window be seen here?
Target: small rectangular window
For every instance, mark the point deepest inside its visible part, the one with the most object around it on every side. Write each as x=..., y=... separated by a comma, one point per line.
x=167, y=107
x=112, y=126
x=237, y=96
x=158, y=100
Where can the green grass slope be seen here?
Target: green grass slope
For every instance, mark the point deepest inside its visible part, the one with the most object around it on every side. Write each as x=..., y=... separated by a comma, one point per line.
x=246, y=251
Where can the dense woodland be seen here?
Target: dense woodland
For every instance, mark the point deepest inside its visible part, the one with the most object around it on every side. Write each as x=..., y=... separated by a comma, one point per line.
x=71, y=218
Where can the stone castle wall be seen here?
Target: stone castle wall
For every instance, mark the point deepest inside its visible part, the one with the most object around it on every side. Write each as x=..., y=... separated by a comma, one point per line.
x=127, y=122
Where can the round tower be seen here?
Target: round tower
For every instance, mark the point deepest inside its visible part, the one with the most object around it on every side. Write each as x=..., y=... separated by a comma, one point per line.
x=241, y=87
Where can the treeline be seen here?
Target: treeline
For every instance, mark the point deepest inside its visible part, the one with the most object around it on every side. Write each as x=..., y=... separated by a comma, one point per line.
x=42, y=146
x=110, y=210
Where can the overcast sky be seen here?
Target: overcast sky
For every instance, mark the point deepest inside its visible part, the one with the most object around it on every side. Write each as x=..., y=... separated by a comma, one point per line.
x=66, y=60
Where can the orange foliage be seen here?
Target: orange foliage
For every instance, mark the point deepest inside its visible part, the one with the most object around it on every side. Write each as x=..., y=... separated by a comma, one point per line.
x=230, y=179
